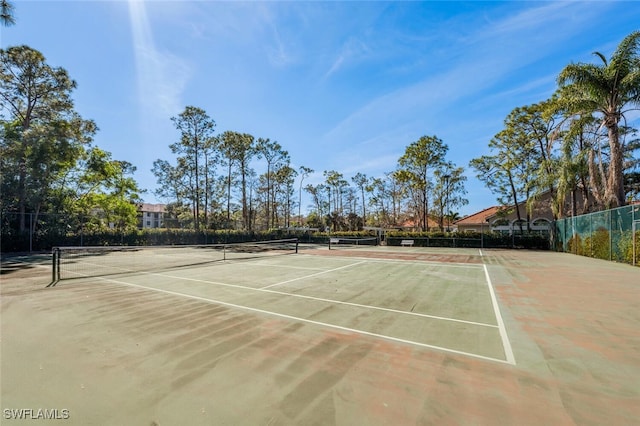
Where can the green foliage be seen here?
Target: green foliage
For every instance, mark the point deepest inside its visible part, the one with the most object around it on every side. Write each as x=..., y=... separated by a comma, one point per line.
x=6, y=13
x=323, y=237
x=604, y=235
x=416, y=169
x=61, y=233
x=600, y=244
x=625, y=247
x=48, y=164
x=315, y=221
x=606, y=91
x=575, y=245
x=470, y=239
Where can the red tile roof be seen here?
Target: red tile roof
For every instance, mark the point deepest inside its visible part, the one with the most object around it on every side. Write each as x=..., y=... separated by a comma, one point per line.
x=480, y=217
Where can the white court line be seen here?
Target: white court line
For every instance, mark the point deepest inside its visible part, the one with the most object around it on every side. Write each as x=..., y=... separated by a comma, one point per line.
x=406, y=262
x=337, y=302
x=313, y=275
x=261, y=263
x=37, y=265
x=323, y=324
x=500, y=326
x=506, y=344
x=301, y=296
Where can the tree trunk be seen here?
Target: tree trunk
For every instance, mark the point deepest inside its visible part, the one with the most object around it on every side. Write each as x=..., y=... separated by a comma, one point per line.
x=594, y=182
x=229, y=196
x=364, y=209
x=515, y=202
x=245, y=218
x=615, y=181
x=197, y=197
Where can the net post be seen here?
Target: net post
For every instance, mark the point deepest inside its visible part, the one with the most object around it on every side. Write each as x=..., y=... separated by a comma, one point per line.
x=58, y=276
x=55, y=264
x=296, y=245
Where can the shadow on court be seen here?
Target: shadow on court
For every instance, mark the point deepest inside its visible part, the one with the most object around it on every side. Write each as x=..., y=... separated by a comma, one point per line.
x=201, y=345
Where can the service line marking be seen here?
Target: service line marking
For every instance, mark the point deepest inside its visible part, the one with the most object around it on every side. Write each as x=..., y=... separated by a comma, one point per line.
x=301, y=296
x=313, y=275
x=309, y=321
x=337, y=302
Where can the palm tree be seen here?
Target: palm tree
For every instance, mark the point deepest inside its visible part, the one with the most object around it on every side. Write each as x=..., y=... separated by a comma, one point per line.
x=605, y=90
x=6, y=13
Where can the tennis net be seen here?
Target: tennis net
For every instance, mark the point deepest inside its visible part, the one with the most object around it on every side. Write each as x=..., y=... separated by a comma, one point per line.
x=343, y=242
x=98, y=261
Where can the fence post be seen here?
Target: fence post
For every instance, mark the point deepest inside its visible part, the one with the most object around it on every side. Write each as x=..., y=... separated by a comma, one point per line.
x=591, y=234
x=633, y=233
x=30, y=232
x=610, y=236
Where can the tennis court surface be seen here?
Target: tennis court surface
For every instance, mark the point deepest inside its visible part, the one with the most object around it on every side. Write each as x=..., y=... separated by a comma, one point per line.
x=352, y=335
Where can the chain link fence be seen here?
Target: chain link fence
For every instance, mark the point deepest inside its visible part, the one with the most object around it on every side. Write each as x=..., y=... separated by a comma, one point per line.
x=610, y=235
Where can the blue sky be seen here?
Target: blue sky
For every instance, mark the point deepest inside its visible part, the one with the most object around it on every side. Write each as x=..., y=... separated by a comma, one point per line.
x=342, y=86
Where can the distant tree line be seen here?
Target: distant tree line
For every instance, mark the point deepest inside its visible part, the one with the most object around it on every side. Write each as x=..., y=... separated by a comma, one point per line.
x=423, y=189
x=213, y=183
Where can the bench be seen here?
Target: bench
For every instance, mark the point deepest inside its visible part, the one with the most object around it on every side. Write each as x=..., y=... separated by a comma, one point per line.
x=406, y=243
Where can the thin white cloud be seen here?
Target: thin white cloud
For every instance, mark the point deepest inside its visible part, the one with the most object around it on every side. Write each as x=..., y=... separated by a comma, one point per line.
x=277, y=53
x=537, y=89
x=375, y=165
x=252, y=27
x=481, y=62
x=352, y=50
x=161, y=75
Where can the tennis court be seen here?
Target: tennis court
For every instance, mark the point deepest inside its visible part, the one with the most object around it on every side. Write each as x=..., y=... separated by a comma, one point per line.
x=447, y=306
x=366, y=335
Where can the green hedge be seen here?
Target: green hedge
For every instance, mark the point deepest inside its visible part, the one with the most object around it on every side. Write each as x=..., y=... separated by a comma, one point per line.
x=470, y=240
x=42, y=241
x=159, y=236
